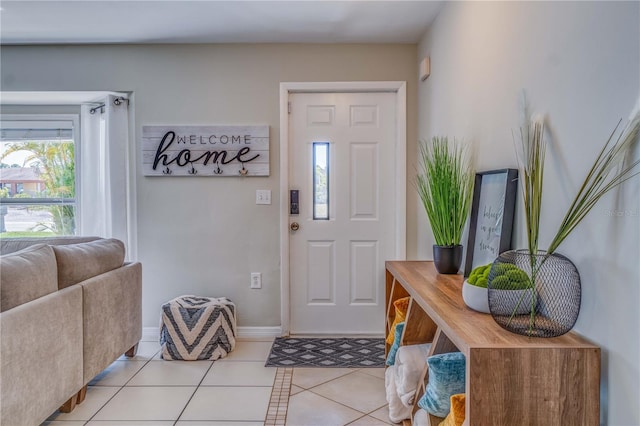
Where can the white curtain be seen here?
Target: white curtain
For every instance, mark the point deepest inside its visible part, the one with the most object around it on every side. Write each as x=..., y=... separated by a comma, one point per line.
x=105, y=209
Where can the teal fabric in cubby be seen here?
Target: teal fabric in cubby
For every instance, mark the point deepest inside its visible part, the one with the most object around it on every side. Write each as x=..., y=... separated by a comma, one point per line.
x=446, y=378
x=391, y=358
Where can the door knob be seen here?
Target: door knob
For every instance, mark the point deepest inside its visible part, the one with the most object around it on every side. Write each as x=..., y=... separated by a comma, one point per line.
x=294, y=226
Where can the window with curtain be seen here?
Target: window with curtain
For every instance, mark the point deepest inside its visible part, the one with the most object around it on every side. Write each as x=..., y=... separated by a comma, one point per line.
x=106, y=192
x=69, y=174
x=38, y=180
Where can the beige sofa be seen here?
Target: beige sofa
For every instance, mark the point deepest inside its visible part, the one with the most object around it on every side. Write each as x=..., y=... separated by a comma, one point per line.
x=69, y=307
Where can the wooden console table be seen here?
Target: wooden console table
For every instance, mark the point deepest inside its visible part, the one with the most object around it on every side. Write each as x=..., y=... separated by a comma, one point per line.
x=510, y=379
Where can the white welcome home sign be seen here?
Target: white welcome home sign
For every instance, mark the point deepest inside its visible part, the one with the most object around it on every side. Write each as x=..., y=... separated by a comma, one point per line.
x=205, y=151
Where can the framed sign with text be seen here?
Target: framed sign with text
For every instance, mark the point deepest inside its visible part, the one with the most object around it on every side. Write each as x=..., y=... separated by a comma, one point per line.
x=205, y=151
x=492, y=211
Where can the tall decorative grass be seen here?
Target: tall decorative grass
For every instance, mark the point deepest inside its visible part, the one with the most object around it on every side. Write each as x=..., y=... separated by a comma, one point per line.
x=532, y=165
x=445, y=184
x=608, y=172
x=533, y=155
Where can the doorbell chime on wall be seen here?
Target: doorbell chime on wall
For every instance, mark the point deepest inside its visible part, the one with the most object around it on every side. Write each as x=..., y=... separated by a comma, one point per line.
x=425, y=68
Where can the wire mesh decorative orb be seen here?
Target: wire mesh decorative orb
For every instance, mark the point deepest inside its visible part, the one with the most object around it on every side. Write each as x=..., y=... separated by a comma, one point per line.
x=534, y=295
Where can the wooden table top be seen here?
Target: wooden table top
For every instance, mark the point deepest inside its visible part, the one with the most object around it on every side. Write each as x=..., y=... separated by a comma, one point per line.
x=440, y=296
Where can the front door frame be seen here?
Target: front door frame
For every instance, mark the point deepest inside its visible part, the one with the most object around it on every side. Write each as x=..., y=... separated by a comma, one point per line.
x=397, y=87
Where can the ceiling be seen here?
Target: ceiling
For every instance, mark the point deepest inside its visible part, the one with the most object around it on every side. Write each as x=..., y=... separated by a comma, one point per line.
x=53, y=98
x=177, y=21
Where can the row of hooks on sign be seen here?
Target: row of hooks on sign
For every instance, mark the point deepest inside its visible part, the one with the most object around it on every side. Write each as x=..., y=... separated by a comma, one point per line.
x=217, y=171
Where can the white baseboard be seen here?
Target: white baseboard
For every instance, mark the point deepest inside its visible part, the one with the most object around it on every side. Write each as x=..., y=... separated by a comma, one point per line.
x=152, y=334
x=250, y=333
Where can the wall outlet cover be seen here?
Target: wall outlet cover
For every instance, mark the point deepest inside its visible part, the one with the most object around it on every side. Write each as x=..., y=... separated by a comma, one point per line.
x=256, y=280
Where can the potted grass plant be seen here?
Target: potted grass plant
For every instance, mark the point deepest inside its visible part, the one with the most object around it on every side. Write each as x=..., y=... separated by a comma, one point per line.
x=445, y=184
x=552, y=278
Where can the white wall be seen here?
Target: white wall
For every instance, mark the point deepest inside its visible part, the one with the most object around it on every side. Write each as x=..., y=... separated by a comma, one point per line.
x=579, y=63
x=205, y=235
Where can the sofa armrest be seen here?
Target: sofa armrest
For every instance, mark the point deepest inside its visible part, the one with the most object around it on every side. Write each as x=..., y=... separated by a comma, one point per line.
x=112, y=316
x=41, y=356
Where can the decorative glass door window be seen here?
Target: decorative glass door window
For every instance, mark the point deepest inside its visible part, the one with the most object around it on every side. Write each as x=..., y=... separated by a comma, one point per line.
x=321, y=180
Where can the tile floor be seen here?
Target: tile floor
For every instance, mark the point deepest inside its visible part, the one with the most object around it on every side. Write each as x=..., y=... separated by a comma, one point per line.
x=234, y=391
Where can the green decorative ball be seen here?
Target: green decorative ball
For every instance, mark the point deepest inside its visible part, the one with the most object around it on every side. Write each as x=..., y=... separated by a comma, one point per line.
x=509, y=277
x=479, y=276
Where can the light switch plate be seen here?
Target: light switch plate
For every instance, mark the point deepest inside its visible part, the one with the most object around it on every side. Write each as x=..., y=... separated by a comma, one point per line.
x=263, y=196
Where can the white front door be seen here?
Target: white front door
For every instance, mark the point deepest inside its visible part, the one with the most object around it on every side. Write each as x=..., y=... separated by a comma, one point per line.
x=342, y=160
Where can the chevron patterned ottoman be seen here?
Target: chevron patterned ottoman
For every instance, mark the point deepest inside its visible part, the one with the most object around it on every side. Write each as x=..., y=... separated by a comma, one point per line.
x=197, y=328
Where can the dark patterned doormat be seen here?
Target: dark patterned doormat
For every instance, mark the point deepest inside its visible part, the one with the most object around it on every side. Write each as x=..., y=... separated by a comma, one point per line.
x=326, y=352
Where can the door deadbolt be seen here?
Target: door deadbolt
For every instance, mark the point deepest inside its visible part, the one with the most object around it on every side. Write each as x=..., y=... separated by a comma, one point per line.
x=294, y=226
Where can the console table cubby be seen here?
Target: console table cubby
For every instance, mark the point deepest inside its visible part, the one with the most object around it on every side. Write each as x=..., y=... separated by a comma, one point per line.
x=510, y=379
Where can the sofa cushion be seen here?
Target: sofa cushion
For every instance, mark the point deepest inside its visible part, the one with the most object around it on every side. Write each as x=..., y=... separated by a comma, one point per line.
x=78, y=262
x=10, y=245
x=27, y=275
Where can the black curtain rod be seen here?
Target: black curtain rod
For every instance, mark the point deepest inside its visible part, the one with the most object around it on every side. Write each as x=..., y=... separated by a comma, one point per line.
x=116, y=101
x=94, y=109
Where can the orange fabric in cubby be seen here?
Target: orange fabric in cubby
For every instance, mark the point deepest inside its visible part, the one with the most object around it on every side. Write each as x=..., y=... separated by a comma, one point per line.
x=457, y=414
x=401, y=306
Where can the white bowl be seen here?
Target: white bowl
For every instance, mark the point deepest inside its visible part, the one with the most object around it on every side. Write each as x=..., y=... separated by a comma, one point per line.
x=477, y=298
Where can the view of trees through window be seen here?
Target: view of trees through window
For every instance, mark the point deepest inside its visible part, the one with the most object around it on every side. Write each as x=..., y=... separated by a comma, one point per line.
x=37, y=183
x=320, y=180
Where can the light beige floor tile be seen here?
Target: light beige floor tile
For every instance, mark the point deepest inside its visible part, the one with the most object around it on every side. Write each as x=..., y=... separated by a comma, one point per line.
x=129, y=423
x=368, y=421
x=245, y=350
x=228, y=403
x=382, y=414
x=376, y=372
x=171, y=373
x=249, y=351
x=118, y=373
x=216, y=423
x=307, y=378
x=158, y=357
x=240, y=373
x=96, y=397
x=308, y=409
x=359, y=391
x=63, y=423
x=146, y=351
x=295, y=389
x=146, y=403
